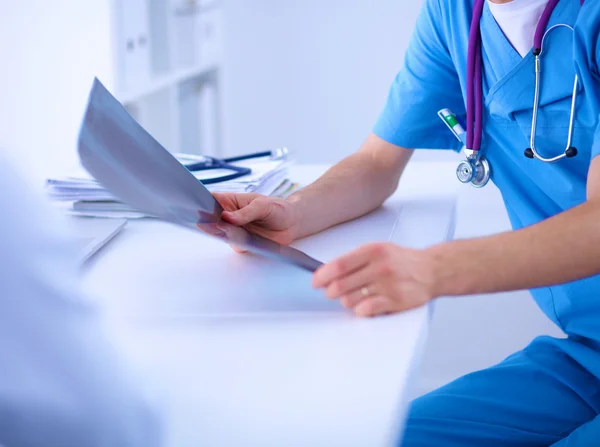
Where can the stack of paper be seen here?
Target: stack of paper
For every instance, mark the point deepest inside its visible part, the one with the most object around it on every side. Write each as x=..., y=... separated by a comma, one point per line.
x=81, y=194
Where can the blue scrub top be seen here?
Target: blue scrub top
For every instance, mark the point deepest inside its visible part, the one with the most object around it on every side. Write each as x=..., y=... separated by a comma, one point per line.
x=434, y=77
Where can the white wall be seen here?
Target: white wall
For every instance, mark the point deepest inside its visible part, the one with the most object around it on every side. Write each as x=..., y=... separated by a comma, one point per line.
x=309, y=74
x=50, y=51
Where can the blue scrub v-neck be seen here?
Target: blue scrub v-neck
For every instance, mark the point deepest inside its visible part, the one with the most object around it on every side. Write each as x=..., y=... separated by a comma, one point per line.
x=499, y=56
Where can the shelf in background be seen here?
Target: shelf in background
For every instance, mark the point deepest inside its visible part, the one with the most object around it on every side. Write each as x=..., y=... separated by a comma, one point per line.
x=196, y=7
x=163, y=81
x=168, y=59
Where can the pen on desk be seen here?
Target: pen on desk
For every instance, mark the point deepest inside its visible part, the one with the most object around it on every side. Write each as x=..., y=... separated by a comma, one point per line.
x=452, y=122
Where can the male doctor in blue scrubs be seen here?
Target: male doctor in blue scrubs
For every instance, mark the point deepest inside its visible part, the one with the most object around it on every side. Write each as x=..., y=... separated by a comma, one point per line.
x=548, y=393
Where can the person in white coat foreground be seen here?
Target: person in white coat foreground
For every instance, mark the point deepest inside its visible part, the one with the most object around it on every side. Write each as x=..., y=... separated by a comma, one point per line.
x=61, y=381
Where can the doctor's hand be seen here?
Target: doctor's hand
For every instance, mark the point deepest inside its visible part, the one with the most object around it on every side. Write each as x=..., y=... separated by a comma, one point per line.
x=269, y=217
x=379, y=279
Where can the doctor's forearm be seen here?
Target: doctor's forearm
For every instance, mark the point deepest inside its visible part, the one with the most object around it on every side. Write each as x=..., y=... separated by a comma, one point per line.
x=356, y=186
x=560, y=249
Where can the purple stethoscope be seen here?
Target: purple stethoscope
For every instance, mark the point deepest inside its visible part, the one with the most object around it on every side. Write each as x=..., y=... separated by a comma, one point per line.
x=476, y=168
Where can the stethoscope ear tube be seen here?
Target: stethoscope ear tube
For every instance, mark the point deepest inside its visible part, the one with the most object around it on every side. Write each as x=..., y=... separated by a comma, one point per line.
x=570, y=151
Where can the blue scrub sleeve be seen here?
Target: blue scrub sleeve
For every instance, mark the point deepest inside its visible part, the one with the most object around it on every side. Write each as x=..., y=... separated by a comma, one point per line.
x=587, y=58
x=427, y=82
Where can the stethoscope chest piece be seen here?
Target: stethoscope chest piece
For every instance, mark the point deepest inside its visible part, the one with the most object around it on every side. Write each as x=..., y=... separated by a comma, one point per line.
x=476, y=172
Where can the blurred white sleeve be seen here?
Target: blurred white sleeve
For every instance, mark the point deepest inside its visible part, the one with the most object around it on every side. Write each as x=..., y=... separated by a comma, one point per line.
x=61, y=384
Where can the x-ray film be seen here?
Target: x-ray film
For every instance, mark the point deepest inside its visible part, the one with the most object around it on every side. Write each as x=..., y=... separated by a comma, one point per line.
x=136, y=169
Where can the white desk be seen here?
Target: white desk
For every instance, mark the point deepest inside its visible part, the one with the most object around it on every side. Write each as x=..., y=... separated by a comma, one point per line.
x=246, y=352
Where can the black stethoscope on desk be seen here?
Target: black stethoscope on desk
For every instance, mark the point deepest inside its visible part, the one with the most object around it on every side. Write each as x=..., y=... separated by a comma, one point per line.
x=195, y=163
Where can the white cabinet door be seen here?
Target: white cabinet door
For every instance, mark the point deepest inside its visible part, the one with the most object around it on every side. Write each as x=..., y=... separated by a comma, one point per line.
x=133, y=43
x=209, y=37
